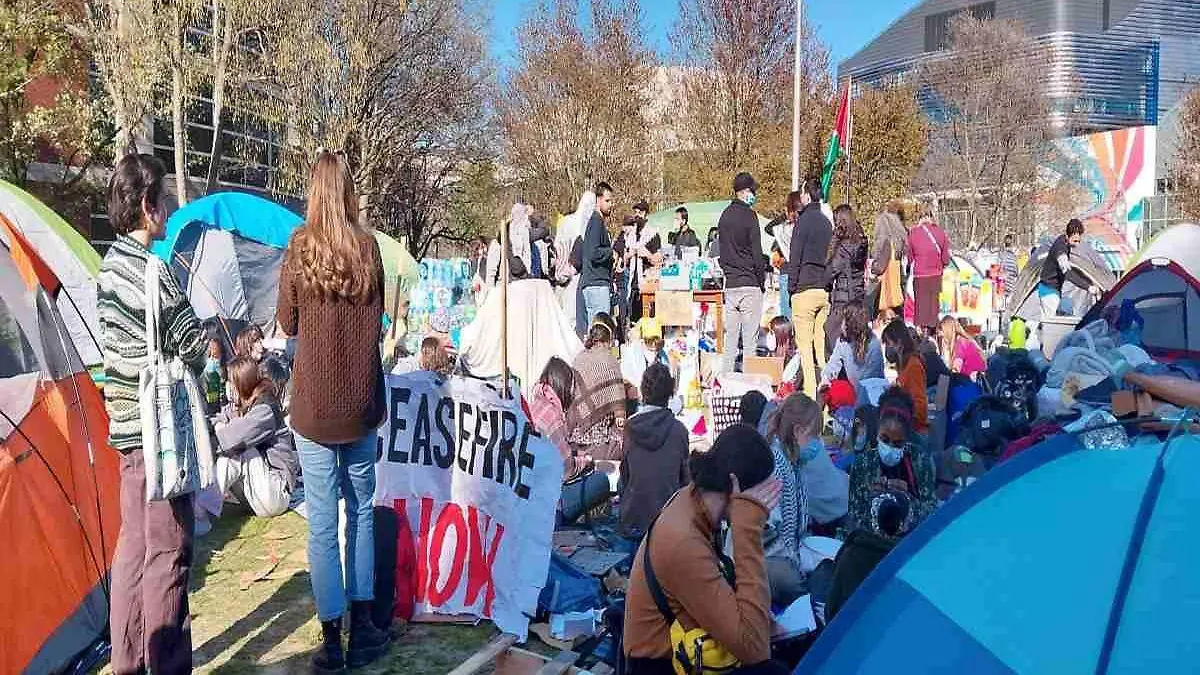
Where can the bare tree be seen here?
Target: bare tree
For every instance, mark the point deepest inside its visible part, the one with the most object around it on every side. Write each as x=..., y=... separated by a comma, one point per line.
x=734, y=84
x=1186, y=172
x=992, y=123
x=574, y=108
x=401, y=88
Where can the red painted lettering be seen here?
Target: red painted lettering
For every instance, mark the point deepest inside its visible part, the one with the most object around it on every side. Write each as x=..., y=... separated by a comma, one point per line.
x=479, y=571
x=423, y=553
x=451, y=517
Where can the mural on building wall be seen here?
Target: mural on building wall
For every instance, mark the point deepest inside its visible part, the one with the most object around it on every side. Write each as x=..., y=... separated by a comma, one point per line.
x=1115, y=169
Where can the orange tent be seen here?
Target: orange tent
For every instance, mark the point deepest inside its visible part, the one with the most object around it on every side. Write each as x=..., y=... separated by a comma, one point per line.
x=59, y=512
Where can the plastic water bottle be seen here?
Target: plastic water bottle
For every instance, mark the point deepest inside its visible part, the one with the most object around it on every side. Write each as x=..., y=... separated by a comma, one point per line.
x=212, y=382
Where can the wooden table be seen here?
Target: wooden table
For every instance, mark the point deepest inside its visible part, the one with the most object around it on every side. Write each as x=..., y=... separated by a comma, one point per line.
x=716, y=301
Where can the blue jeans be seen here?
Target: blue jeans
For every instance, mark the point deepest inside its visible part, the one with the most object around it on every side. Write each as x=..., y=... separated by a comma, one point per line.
x=341, y=470
x=785, y=297
x=596, y=300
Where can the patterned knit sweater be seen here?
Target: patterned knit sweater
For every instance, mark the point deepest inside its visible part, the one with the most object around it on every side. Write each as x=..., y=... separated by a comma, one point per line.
x=122, y=309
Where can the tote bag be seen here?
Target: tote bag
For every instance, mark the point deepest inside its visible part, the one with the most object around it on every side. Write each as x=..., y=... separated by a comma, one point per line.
x=891, y=290
x=176, y=447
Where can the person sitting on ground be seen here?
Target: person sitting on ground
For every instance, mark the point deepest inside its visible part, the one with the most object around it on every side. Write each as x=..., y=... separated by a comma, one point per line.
x=900, y=464
x=792, y=433
x=257, y=461
x=901, y=351
x=249, y=343
x=549, y=402
x=958, y=350
x=755, y=410
x=795, y=430
x=656, y=454
x=598, y=413
x=639, y=355
x=731, y=484
x=857, y=355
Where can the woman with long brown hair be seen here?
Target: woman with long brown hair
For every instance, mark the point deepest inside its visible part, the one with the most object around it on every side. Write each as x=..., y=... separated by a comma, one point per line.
x=331, y=301
x=847, y=270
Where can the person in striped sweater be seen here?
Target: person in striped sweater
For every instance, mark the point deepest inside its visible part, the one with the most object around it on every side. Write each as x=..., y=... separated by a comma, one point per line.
x=149, y=610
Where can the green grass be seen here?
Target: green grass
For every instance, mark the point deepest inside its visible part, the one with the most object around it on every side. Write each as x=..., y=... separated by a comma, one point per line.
x=253, y=612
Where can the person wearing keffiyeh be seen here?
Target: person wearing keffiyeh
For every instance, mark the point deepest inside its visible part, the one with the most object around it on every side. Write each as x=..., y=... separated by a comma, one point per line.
x=597, y=416
x=552, y=396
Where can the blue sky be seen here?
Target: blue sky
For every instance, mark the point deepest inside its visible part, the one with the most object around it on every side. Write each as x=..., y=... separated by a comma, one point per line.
x=844, y=25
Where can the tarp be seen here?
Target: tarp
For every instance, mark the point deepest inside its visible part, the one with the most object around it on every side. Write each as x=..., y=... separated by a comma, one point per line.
x=1022, y=296
x=1063, y=561
x=537, y=331
x=400, y=270
x=70, y=256
x=59, y=512
x=478, y=487
x=702, y=217
x=1164, y=285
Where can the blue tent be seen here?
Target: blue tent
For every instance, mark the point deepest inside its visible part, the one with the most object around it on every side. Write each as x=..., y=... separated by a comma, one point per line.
x=226, y=250
x=1063, y=560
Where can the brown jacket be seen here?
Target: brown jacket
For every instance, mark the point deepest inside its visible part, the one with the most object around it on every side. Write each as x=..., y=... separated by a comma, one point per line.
x=686, y=566
x=337, y=374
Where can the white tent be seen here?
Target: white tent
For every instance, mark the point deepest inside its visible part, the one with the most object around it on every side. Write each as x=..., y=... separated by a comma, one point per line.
x=1164, y=286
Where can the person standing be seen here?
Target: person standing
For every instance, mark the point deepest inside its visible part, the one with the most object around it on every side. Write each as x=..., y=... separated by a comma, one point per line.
x=683, y=236
x=928, y=254
x=596, y=274
x=847, y=270
x=149, y=617
x=331, y=301
x=745, y=268
x=807, y=274
x=1007, y=259
x=1058, y=269
x=782, y=228
x=890, y=248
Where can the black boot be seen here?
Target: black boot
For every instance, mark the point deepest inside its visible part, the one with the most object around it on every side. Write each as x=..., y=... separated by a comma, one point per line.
x=367, y=642
x=329, y=657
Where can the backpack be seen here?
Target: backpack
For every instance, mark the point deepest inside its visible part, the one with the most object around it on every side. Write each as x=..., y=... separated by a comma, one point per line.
x=989, y=425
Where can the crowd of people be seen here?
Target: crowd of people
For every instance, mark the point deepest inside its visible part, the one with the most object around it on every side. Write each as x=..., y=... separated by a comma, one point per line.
x=308, y=426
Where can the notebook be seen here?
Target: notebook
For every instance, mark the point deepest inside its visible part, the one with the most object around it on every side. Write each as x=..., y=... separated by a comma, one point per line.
x=796, y=620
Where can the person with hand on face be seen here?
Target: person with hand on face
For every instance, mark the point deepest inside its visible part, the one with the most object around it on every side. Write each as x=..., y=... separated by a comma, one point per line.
x=148, y=613
x=900, y=350
x=813, y=489
x=1058, y=269
x=732, y=485
x=900, y=465
x=597, y=258
x=745, y=268
x=806, y=270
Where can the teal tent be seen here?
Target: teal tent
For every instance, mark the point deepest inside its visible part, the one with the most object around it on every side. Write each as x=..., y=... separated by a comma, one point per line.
x=702, y=216
x=1062, y=560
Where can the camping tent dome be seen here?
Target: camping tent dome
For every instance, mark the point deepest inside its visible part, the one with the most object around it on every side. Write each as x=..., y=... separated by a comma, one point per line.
x=1063, y=560
x=1164, y=286
x=59, y=511
x=72, y=259
x=1022, y=296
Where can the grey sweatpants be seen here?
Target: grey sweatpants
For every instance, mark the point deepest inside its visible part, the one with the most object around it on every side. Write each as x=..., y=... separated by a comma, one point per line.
x=743, y=314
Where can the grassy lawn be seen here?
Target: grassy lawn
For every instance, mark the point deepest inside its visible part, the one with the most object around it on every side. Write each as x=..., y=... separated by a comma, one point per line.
x=252, y=609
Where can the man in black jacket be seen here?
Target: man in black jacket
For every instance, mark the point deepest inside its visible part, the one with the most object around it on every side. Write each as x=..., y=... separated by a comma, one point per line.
x=683, y=236
x=745, y=270
x=595, y=277
x=1058, y=269
x=806, y=275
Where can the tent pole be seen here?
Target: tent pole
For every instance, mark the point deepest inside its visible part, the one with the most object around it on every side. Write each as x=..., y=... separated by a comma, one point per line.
x=504, y=308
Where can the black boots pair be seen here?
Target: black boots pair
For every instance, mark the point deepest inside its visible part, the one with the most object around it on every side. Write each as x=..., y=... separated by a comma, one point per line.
x=367, y=643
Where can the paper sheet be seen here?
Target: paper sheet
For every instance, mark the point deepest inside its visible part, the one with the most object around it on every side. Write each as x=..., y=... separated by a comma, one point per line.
x=796, y=620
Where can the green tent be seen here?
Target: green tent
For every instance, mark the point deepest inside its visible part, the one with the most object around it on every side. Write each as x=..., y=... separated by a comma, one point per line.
x=702, y=216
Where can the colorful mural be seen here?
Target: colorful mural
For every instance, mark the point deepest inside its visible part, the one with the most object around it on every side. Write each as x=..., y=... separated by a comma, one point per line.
x=1115, y=169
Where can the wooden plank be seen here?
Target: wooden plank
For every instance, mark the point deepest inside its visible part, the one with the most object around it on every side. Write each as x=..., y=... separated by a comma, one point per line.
x=486, y=655
x=561, y=663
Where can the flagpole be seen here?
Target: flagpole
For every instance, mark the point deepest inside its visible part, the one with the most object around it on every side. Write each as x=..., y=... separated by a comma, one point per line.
x=799, y=52
x=850, y=135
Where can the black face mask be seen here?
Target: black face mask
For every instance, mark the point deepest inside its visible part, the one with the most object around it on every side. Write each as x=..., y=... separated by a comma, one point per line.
x=891, y=354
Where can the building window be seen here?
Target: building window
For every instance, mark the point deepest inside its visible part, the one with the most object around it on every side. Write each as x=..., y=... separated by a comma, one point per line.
x=937, y=26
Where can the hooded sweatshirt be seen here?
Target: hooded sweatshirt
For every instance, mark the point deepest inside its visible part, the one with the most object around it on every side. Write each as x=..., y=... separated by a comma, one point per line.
x=654, y=468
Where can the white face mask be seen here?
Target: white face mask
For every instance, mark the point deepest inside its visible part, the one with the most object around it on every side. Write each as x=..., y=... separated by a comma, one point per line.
x=889, y=454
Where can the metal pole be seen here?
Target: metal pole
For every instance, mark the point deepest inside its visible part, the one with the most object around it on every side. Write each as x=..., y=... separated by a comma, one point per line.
x=849, y=133
x=799, y=52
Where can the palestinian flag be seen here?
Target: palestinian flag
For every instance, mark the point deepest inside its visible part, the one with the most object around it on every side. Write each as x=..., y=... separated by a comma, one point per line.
x=839, y=142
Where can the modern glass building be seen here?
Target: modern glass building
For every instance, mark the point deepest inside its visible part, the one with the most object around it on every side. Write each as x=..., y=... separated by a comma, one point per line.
x=1135, y=59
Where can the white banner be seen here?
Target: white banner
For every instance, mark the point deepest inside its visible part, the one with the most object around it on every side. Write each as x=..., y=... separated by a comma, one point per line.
x=478, y=487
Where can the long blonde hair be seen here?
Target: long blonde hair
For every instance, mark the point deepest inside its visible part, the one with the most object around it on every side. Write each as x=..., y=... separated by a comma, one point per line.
x=328, y=252
x=796, y=411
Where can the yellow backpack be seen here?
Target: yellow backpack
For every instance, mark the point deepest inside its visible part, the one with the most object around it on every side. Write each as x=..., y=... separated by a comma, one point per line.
x=693, y=652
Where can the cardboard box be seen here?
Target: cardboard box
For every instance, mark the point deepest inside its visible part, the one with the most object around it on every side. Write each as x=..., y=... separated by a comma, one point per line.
x=673, y=308
x=769, y=366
